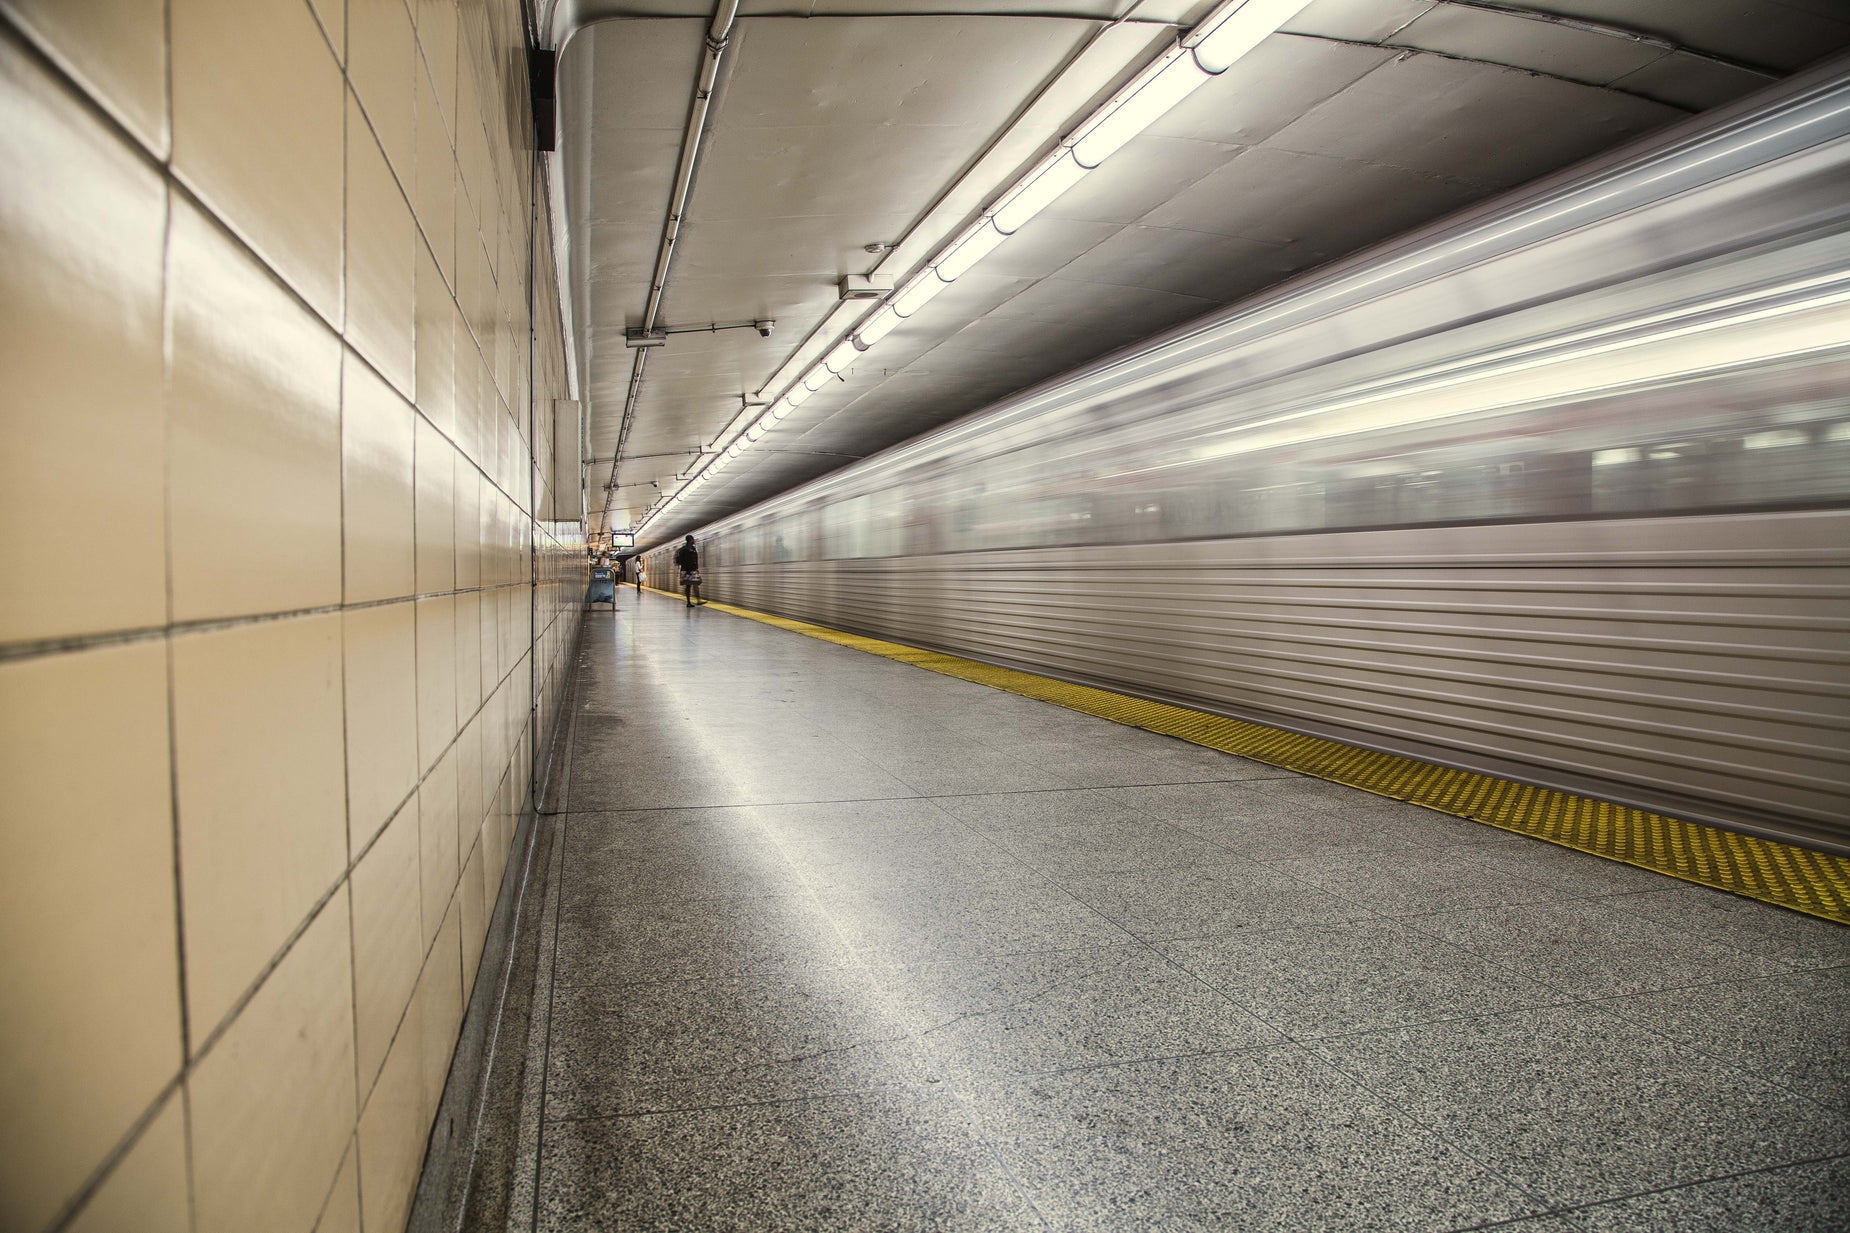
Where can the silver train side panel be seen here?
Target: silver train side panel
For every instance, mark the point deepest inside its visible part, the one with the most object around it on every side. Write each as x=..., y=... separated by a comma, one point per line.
x=1696, y=666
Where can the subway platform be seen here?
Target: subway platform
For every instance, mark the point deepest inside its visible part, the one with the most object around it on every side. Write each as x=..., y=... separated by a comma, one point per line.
x=826, y=941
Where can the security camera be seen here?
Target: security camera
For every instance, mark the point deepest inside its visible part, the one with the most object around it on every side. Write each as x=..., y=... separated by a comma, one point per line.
x=764, y=328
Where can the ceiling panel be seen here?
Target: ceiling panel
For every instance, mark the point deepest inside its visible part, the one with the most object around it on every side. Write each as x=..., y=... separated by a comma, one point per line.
x=1363, y=21
x=1429, y=114
x=1336, y=204
x=1572, y=52
x=1144, y=174
x=1690, y=82
x=1782, y=35
x=785, y=299
x=1047, y=247
x=823, y=246
x=1211, y=268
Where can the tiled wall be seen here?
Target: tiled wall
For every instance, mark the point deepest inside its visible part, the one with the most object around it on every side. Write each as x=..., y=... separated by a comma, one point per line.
x=272, y=604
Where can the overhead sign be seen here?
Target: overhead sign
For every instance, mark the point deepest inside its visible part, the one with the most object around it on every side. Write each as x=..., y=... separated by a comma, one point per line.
x=622, y=539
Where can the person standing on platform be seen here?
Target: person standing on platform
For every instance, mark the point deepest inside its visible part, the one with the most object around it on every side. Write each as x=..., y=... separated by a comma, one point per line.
x=687, y=560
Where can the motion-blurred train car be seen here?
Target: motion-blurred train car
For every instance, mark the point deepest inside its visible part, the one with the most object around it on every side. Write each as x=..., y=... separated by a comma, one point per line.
x=1558, y=489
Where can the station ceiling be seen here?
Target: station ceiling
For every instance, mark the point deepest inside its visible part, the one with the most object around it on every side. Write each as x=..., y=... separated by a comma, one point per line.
x=848, y=138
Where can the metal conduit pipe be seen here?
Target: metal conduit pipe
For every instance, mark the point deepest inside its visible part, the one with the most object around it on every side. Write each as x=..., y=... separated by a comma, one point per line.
x=719, y=32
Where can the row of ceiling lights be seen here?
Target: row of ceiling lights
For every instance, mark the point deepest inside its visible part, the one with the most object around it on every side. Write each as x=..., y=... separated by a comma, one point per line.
x=1205, y=52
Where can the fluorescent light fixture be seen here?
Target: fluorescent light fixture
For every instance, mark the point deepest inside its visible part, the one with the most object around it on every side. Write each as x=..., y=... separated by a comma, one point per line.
x=877, y=327
x=780, y=409
x=735, y=449
x=1176, y=76
x=1242, y=30
x=916, y=294
x=842, y=357
x=766, y=422
x=797, y=395
x=1036, y=194
x=975, y=246
x=754, y=433
x=816, y=378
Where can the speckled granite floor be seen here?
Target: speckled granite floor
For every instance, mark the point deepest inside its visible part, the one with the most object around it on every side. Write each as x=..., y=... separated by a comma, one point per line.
x=834, y=943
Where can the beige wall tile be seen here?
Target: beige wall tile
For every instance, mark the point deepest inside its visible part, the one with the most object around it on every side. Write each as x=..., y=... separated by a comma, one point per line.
x=468, y=786
x=381, y=63
x=437, y=843
x=468, y=653
x=82, y=224
x=333, y=16
x=388, y=946
x=436, y=178
x=260, y=774
x=468, y=524
x=272, y=1102
x=147, y=1190
x=436, y=678
x=378, y=429
x=116, y=48
x=491, y=648
x=381, y=258
x=469, y=385
x=472, y=914
x=254, y=451
x=474, y=180
x=494, y=845
x=92, y=1029
x=436, y=514
x=394, y=1129
x=440, y=1003
x=475, y=289
x=437, y=40
x=436, y=345
x=342, y=1213
x=382, y=715
x=257, y=132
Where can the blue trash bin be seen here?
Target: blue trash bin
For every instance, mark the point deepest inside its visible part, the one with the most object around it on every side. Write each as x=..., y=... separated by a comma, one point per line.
x=603, y=586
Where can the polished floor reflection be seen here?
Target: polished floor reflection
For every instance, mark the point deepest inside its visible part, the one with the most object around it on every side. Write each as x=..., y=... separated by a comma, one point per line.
x=832, y=942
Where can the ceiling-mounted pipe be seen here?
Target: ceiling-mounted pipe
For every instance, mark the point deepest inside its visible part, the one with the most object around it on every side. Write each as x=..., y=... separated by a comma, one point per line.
x=719, y=31
x=717, y=35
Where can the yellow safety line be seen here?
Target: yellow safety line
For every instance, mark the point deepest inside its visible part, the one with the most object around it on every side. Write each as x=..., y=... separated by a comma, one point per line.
x=1815, y=883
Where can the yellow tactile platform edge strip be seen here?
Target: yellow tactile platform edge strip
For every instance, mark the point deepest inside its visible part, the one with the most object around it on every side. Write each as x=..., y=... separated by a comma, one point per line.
x=1815, y=883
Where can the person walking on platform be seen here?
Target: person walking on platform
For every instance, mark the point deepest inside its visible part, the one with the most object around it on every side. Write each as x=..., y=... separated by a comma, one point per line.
x=638, y=562
x=687, y=560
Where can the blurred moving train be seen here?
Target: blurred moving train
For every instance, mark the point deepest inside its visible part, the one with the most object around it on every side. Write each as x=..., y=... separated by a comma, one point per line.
x=1557, y=489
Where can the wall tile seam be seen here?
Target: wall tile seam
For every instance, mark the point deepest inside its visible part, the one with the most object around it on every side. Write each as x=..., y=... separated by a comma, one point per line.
x=404, y=1012
x=406, y=195
x=43, y=648
x=178, y=1083
x=176, y=183
x=424, y=67
x=112, y=1159
x=51, y=57
x=327, y=36
x=193, y=1059
x=353, y=1151
x=424, y=776
x=198, y=1057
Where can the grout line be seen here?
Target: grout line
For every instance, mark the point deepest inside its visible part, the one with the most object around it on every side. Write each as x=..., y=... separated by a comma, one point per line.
x=113, y=1157
x=346, y=747
x=43, y=647
x=1643, y=1194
